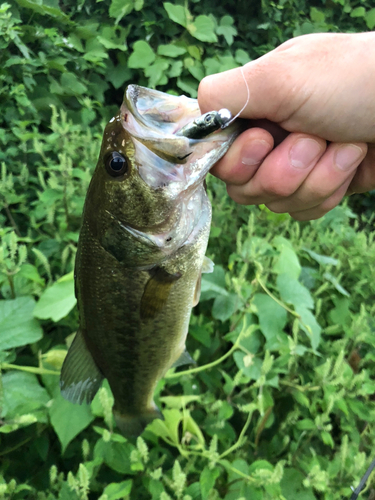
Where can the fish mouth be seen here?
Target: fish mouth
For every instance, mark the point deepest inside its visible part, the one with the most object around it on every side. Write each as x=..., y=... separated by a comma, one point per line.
x=153, y=118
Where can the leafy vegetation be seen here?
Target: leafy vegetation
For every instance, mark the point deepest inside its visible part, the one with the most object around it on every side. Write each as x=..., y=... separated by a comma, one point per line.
x=281, y=402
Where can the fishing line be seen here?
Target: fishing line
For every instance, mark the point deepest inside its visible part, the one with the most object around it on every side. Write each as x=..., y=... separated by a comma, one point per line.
x=212, y=121
x=363, y=481
x=246, y=103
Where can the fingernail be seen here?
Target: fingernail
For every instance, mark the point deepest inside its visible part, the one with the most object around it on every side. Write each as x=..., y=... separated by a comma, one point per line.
x=254, y=152
x=347, y=156
x=304, y=152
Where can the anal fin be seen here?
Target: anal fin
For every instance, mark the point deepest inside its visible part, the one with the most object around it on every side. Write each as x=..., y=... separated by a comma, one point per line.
x=184, y=359
x=80, y=377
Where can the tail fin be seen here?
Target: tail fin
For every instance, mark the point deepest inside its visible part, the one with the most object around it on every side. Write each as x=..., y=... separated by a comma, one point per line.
x=134, y=425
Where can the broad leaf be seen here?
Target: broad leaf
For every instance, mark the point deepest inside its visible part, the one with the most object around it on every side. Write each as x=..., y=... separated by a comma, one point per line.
x=293, y=292
x=171, y=50
x=22, y=394
x=203, y=29
x=17, y=325
x=287, y=263
x=249, y=364
x=142, y=55
x=272, y=316
x=57, y=301
x=117, y=491
x=370, y=18
x=68, y=419
x=207, y=481
x=310, y=326
x=176, y=13
x=225, y=306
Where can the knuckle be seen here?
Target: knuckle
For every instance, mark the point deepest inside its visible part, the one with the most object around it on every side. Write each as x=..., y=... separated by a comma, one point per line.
x=274, y=187
x=237, y=196
x=276, y=208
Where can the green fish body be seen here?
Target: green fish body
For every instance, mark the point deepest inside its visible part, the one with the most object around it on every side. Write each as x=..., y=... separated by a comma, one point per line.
x=140, y=254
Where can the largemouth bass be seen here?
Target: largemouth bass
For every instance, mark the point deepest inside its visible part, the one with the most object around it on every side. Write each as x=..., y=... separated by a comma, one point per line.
x=141, y=250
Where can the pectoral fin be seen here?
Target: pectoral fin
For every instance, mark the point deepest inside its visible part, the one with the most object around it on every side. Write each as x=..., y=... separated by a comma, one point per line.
x=80, y=377
x=208, y=265
x=156, y=292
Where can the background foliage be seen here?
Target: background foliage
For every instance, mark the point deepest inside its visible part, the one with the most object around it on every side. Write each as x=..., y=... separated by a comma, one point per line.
x=281, y=404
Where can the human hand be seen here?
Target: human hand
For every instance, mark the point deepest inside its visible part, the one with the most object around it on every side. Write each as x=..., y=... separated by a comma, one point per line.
x=310, y=90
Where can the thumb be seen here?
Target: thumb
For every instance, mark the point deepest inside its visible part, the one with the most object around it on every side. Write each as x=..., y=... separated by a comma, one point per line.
x=259, y=80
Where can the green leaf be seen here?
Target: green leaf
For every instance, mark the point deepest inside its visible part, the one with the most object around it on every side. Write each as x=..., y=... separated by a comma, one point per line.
x=189, y=86
x=203, y=29
x=120, y=9
x=142, y=55
x=176, y=13
x=116, y=491
x=18, y=327
x=196, y=69
x=171, y=50
x=250, y=365
x=242, y=57
x=322, y=259
x=113, y=38
x=225, y=306
x=310, y=325
x=293, y=292
x=156, y=73
x=336, y=284
x=317, y=16
x=340, y=314
x=57, y=301
x=118, y=75
x=207, y=481
x=287, y=263
x=292, y=486
x=175, y=69
x=71, y=85
x=167, y=429
x=272, y=316
x=370, y=18
x=68, y=419
x=22, y=394
x=44, y=9
x=194, y=51
x=358, y=12
x=227, y=29
x=213, y=284
x=31, y=273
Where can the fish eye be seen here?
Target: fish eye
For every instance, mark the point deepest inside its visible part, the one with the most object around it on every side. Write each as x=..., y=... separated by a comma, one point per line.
x=116, y=164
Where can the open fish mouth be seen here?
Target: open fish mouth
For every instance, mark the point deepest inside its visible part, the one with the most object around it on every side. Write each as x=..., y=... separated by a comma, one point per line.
x=154, y=119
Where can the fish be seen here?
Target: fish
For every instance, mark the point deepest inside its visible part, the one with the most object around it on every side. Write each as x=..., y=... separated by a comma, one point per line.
x=141, y=250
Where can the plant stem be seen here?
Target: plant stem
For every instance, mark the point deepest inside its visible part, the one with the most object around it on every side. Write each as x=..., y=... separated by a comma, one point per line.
x=29, y=369
x=12, y=221
x=276, y=299
x=208, y=365
x=239, y=441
